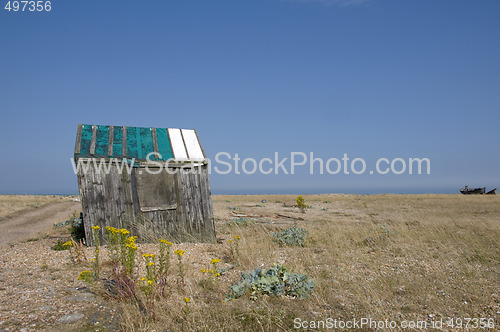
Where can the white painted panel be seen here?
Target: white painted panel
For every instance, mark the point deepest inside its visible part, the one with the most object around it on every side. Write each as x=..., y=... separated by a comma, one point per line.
x=177, y=144
x=192, y=145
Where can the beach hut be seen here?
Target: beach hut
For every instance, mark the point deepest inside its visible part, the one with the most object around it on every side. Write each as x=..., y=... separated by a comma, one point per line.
x=151, y=181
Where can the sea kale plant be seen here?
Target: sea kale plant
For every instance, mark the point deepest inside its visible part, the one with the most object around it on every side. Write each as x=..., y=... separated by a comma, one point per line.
x=379, y=236
x=276, y=281
x=293, y=236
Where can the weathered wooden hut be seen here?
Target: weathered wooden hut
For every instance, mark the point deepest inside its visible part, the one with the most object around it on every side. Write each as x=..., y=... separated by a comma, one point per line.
x=151, y=181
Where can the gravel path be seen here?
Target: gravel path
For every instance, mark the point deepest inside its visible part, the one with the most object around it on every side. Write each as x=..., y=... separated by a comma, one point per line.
x=26, y=224
x=38, y=286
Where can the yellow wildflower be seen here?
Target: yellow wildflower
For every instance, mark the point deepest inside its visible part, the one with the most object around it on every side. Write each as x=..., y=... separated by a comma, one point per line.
x=179, y=252
x=216, y=274
x=124, y=231
x=215, y=260
x=131, y=246
x=230, y=241
x=151, y=263
x=84, y=275
x=203, y=270
x=111, y=230
x=96, y=227
x=143, y=279
x=131, y=239
x=69, y=243
x=237, y=237
x=150, y=282
x=187, y=299
x=211, y=271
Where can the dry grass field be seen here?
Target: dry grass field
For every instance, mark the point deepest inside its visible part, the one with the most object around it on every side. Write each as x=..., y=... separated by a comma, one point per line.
x=394, y=257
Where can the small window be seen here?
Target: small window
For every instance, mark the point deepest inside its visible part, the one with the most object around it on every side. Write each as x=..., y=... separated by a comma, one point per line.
x=156, y=192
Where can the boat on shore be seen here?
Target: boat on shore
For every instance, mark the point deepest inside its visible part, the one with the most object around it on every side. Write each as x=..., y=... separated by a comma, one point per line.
x=476, y=191
x=492, y=192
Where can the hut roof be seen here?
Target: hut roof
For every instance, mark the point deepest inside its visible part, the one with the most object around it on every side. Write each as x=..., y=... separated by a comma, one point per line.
x=96, y=141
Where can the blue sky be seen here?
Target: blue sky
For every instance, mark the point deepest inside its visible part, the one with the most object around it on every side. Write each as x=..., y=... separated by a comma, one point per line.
x=372, y=79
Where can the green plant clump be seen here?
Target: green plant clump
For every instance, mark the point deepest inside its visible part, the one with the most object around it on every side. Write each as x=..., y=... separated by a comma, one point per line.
x=276, y=281
x=379, y=236
x=77, y=229
x=293, y=236
x=60, y=246
x=241, y=221
x=300, y=203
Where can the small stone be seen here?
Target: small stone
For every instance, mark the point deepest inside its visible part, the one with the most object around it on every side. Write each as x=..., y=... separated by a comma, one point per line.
x=83, y=297
x=48, y=308
x=23, y=330
x=70, y=318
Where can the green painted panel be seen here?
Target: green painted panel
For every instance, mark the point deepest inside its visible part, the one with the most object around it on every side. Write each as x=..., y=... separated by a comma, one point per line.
x=132, y=143
x=117, y=142
x=85, y=141
x=101, y=143
x=139, y=142
x=139, y=145
x=147, y=145
x=164, y=147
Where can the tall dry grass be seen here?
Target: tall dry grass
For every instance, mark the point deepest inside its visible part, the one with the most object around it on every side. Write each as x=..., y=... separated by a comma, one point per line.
x=396, y=257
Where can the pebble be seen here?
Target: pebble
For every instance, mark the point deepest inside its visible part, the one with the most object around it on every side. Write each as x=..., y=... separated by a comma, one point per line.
x=48, y=308
x=70, y=318
x=83, y=297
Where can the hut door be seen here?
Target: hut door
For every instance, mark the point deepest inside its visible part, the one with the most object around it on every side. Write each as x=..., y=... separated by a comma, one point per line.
x=155, y=192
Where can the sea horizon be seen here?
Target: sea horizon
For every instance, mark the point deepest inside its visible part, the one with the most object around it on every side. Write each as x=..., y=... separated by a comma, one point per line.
x=394, y=191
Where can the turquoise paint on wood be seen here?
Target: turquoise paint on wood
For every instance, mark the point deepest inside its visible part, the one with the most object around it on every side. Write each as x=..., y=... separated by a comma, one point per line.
x=85, y=141
x=117, y=142
x=147, y=145
x=139, y=145
x=132, y=143
x=101, y=143
x=164, y=147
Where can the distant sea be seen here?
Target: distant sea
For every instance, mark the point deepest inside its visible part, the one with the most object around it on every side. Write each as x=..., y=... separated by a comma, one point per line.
x=334, y=191
x=216, y=191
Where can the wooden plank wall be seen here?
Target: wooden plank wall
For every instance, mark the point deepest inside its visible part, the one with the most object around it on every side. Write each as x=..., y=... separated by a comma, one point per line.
x=111, y=200
x=106, y=200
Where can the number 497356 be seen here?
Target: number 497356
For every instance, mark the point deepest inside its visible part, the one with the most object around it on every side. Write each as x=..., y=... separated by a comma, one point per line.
x=32, y=6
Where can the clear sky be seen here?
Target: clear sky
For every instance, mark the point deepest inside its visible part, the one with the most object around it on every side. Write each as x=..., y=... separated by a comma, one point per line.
x=372, y=79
